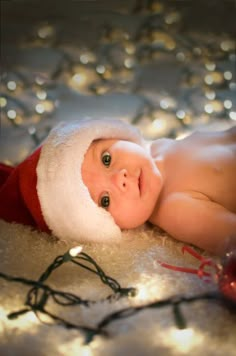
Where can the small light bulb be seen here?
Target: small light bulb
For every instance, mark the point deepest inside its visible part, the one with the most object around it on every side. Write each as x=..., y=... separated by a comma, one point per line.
x=3, y=102
x=232, y=115
x=11, y=114
x=228, y=104
x=228, y=75
x=74, y=251
x=39, y=108
x=11, y=85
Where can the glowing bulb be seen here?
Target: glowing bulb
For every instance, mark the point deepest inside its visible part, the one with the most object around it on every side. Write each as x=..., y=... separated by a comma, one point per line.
x=210, y=95
x=180, y=56
x=143, y=293
x=208, y=108
x=11, y=114
x=208, y=79
x=86, y=351
x=172, y=18
x=232, y=86
x=11, y=85
x=100, y=69
x=74, y=251
x=210, y=66
x=180, y=114
x=130, y=48
x=79, y=78
x=41, y=95
x=3, y=102
x=39, y=108
x=129, y=62
x=228, y=75
x=87, y=57
x=39, y=81
x=32, y=130
x=46, y=31
x=232, y=115
x=164, y=104
x=228, y=104
x=227, y=45
x=183, y=339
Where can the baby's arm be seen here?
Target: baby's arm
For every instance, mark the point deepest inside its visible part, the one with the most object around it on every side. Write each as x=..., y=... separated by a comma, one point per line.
x=196, y=220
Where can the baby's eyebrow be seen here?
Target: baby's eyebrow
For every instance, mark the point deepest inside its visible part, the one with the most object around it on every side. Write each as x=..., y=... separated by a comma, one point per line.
x=94, y=150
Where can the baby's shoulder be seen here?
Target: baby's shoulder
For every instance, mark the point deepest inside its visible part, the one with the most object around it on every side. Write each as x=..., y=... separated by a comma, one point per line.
x=161, y=146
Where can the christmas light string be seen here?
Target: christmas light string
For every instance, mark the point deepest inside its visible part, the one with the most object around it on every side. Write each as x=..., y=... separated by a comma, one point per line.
x=40, y=293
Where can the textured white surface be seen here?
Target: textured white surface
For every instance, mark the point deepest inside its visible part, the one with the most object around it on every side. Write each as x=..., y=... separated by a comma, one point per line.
x=23, y=252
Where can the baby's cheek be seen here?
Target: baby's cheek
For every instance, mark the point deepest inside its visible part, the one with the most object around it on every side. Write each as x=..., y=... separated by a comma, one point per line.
x=131, y=218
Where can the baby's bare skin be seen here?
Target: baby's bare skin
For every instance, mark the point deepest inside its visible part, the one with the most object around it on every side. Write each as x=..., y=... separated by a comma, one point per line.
x=197, y=203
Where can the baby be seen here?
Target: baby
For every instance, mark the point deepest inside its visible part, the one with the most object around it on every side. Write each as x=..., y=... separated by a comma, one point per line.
x=187, y=187
x=92, y=178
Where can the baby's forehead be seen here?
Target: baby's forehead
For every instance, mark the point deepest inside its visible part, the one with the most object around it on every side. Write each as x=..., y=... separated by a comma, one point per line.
x=102, y=142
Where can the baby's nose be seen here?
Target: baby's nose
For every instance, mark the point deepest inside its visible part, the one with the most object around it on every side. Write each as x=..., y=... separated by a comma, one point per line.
x=120, y=179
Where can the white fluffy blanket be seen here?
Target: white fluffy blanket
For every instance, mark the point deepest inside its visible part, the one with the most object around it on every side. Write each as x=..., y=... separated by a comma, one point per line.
x=211, y=326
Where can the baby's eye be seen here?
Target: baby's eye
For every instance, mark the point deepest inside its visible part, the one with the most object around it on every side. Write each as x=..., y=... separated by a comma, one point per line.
x=106, y=159
x=105, y=201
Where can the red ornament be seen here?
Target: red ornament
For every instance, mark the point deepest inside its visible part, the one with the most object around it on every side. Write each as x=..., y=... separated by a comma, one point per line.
x=227, y=279
x=224, y=274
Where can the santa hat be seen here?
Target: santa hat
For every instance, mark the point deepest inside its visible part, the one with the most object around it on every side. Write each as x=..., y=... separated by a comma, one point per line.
x=47, y=190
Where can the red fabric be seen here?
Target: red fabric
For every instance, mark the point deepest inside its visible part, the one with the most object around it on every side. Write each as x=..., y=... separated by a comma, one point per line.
x=5, y=171
x=18, y=195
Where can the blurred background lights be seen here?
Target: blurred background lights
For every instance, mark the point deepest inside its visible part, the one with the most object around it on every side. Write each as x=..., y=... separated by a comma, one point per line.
x=232, y=115
x=87, y=57
x=39, y=80
x=3, y=102
x=116, y=63
x=210, y=95
x=180, y=114
x=172, y=17
x=79, y=78
x=39, y=108
x=208, y=108
x=214, y=78
x=129, y=62
x=42, y=95
x=159, y=125
x=210, y=66
x=11, y=114
x=11, y=85
x=32, y=130
x=180, y=56
x=228, y=104
x=46, y=31
x=232, y=86
x=129, y=47
x=228, y=75
x=227, y=45
x=100, y=69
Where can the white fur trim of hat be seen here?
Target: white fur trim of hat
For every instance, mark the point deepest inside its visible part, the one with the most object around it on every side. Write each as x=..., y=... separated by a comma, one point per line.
x=66, y=204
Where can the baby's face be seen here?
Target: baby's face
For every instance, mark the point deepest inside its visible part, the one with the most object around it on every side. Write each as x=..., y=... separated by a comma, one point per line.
x=122, y=178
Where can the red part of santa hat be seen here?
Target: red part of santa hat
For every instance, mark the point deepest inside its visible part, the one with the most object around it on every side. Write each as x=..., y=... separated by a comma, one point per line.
x=47, y=190
x=18, y=195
